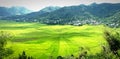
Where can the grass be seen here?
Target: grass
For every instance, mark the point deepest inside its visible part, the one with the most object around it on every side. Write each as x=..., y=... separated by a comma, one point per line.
x=42, y=41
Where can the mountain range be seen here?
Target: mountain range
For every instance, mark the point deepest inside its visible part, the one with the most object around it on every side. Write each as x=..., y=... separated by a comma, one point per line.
x=30, y=17
x=12, y=11
x=104, y=13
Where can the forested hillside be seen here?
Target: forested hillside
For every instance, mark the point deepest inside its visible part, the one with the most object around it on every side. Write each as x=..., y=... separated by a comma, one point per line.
x=74, y=15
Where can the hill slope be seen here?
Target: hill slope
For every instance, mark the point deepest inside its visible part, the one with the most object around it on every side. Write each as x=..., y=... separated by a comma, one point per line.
x=82, y=14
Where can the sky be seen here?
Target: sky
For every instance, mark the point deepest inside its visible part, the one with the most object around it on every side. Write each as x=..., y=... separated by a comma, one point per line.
x=36, y=5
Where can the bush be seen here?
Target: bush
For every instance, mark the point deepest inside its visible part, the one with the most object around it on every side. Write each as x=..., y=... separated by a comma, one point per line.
x=113, y=39
x=24, y=56
x=4, y=37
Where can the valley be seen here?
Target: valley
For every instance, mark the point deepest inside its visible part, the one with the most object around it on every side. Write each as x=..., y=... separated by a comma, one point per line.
x=60, y=32
x=42, y=41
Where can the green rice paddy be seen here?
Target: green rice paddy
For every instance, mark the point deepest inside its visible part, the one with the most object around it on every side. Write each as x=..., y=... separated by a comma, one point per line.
x=41, y=41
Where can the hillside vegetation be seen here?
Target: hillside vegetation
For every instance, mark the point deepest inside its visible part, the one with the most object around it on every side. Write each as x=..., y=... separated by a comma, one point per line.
x=74, y=15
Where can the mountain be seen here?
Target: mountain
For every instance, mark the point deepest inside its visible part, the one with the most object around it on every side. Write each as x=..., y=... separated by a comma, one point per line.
x=31, y=16
x=74, y=15
x=103, y=10
x=82, y=14
x=50, y=9
x=42, y=11
x=114, y=20
x=4, y=11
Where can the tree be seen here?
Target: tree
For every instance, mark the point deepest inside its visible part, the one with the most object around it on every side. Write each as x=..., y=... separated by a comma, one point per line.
x=59, y=57
x=4, y=37
x=24, y=56
x=114, y=41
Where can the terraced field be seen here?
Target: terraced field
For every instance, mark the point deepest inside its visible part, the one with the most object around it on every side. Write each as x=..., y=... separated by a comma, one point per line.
x=42, y=41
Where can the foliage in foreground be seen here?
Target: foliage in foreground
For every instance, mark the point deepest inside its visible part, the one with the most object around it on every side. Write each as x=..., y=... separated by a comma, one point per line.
x=24, y=56
x=113, y=39
x=4, y=37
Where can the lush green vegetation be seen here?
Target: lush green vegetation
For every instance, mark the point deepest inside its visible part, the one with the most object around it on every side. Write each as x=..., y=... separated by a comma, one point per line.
x=42, y=41
x=4, y=37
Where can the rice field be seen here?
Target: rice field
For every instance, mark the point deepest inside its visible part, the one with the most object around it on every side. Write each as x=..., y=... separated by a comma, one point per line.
x=41, y=41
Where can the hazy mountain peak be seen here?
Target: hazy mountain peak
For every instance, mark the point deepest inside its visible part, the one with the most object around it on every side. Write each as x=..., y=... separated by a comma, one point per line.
x=50, y=8
x=15, y=10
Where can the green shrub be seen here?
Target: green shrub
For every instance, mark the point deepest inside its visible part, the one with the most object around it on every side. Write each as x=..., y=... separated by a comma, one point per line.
x=4, y=37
